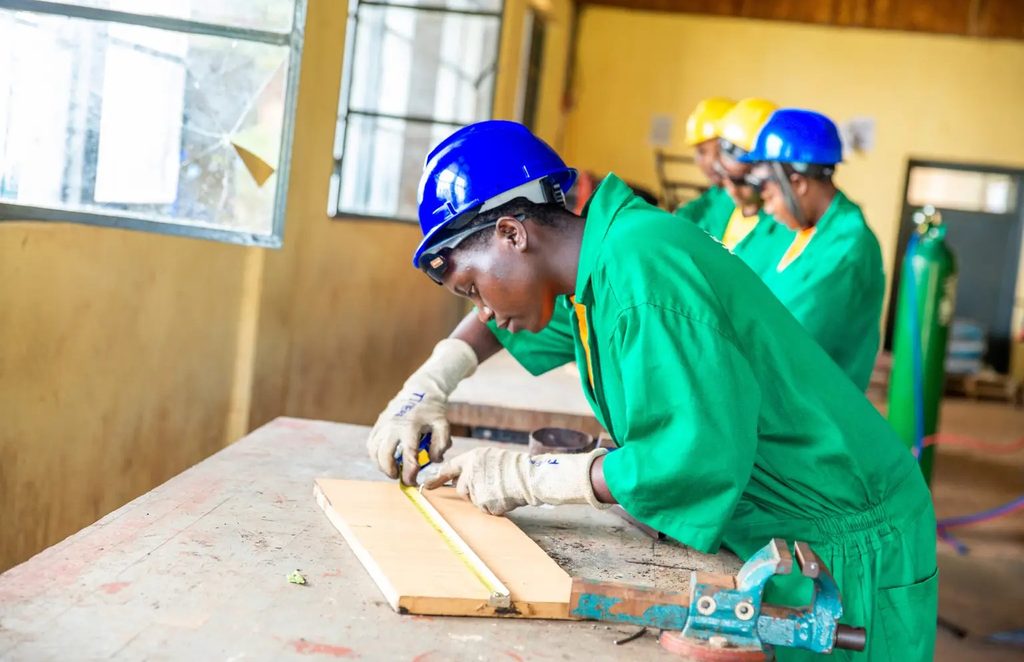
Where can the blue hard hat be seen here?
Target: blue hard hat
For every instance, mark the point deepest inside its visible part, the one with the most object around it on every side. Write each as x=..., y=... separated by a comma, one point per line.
x=794, y=135
x=476, y=165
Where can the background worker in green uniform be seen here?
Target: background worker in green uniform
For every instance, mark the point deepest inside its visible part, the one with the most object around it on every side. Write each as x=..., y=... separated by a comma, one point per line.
x=830, y=276
x=732, y=425
x=743, y=227
x=702, y=136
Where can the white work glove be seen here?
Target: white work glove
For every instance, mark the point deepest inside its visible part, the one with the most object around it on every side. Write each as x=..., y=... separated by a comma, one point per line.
x=420, y=407
x=497, y=480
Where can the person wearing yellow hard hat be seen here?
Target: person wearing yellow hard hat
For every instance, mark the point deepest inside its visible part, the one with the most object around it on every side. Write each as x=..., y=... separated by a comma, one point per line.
x=745, y=229
x=702, y=136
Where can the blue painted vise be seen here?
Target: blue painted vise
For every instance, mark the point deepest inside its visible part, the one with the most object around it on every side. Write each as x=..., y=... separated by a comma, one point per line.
x=724, y=617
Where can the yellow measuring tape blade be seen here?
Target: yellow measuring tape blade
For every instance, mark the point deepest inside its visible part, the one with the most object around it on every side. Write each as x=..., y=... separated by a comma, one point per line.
x=500, y=597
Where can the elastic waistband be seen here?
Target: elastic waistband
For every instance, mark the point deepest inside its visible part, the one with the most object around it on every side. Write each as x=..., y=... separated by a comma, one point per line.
x=854, y=522
x=904, y=502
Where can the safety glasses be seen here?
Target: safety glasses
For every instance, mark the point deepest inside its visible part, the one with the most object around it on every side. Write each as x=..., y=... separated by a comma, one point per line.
x=774, y=170
x=757, y=178
x=435, y=261
x=742, y=180
x=734, y=152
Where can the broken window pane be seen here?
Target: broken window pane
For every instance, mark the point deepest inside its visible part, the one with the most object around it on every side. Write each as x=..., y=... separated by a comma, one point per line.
x=140, y=123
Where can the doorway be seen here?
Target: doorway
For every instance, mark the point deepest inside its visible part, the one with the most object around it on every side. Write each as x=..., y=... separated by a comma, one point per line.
x=982, y=209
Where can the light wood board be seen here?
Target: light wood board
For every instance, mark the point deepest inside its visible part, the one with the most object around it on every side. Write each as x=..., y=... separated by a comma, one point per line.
x=419, y=573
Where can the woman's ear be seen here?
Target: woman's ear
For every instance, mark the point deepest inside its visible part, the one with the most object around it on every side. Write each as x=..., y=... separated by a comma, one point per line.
x=511, y=233
x=799, y=184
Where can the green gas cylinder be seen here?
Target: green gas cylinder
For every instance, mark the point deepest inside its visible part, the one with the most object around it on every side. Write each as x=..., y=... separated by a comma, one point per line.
x=924, y=311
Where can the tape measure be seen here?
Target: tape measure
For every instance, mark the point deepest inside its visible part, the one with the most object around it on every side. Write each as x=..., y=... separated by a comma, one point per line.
x=422, y=453
x=500, y=597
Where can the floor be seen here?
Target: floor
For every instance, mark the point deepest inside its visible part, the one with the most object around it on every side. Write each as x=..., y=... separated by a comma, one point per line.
x=981, y=592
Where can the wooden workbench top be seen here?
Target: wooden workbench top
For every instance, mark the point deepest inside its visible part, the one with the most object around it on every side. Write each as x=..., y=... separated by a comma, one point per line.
x=502, y=394
x=196, y=569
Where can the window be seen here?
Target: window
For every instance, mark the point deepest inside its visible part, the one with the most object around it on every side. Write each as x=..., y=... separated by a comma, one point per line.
x=966, y=190
x=172, y=116
x=414, y=72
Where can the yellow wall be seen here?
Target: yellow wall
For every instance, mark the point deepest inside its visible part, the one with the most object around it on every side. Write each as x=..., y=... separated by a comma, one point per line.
x=942, y=97
x=116, y=356
x=559, y=16
x=127, y=357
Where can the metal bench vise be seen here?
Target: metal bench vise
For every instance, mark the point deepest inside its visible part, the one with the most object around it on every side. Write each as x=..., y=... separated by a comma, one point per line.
x=723, y=617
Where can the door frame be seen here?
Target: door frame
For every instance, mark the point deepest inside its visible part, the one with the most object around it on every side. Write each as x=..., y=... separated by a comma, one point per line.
x=906, y=227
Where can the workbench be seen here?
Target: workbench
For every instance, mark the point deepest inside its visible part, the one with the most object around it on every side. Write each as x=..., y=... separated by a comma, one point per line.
x=502, y=395
x=197, y=569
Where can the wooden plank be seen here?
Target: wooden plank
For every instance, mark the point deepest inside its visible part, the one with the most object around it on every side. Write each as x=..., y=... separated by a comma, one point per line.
x=416, y=569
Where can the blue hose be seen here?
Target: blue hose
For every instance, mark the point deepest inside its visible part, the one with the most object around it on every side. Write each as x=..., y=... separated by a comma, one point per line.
x=916, y=350
x=991, y=513
x=964, y=520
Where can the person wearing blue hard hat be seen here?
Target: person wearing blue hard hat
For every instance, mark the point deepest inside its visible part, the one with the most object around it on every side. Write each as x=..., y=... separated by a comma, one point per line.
x=732, y=425
x=471, y=181
x=830, y=276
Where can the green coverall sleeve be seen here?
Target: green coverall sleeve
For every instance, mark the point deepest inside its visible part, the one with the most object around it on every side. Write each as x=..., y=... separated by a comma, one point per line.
x=549, y=348
x=687, y=424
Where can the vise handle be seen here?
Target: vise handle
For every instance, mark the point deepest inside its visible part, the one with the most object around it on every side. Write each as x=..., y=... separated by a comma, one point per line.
x=851, y=638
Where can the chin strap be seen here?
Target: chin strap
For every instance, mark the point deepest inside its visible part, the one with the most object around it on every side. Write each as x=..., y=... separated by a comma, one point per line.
x=787, y=192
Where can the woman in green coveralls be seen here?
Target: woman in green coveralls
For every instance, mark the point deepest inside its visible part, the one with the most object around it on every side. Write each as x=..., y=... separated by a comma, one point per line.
x=733, y=425
x=829, y=275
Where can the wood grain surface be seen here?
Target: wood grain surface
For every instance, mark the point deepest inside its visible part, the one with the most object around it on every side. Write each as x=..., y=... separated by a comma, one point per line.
x=416, y=569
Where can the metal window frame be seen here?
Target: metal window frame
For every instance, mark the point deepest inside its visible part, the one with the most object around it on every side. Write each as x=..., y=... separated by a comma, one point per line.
x=334, y=209
x=118, y=219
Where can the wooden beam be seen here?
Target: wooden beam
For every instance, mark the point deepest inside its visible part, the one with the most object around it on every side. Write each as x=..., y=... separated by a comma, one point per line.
x=976, y=18
x=1000, y=18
